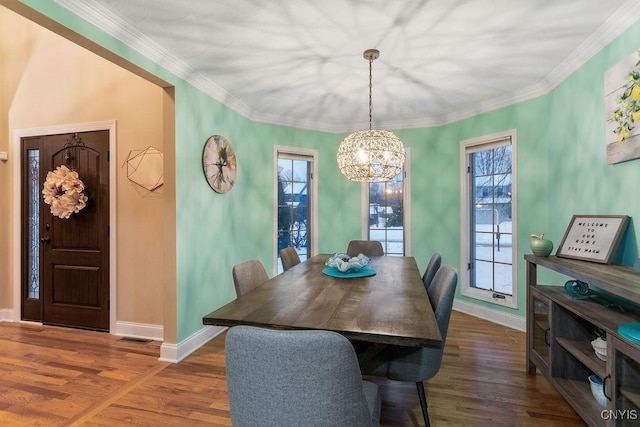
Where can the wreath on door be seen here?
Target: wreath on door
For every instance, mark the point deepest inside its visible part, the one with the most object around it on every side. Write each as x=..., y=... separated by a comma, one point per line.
x=64, y=192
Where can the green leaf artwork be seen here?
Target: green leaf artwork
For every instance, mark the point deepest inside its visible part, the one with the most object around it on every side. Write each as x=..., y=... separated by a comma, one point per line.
x=628, y=112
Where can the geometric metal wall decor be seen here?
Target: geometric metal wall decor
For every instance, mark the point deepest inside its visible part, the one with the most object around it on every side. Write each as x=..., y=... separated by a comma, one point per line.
x=144, y=167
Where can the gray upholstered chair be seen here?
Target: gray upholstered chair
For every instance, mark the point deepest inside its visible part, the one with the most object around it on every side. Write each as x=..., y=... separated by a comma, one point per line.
x=366, y=247
x=296, y=378
x=289, y=258
x=410, y=364
x=432, y=268
x=248, y=275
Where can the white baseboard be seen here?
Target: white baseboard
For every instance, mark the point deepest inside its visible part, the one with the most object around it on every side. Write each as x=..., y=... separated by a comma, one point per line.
x=6, y=315
x=168, y=352
x=499, y=317
x=176, y=352
x=123, y=329
x=139, y=330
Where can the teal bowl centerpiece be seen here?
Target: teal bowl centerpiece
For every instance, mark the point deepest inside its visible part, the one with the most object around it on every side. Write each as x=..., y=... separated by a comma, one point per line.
x=346, y=264
x=540, y=246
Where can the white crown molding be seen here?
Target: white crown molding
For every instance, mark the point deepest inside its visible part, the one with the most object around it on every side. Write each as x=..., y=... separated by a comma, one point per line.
x=103, y=19
x=617, y=24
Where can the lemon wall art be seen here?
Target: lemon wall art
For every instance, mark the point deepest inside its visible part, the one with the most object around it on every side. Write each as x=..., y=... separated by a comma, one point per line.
x=622, y=106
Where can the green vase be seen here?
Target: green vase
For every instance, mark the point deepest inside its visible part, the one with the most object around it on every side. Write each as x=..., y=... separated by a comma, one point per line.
x=541, y=246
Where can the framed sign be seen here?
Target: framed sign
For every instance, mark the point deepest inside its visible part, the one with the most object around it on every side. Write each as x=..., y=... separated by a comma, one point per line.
x=592, y=237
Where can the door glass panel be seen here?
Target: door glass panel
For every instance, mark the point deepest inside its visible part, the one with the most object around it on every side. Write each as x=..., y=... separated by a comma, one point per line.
x=386, y=214
x=294, y=179
x=33, y=224
x=491, y=251
x=541, y=328
x=483, y=274
x=628, y=390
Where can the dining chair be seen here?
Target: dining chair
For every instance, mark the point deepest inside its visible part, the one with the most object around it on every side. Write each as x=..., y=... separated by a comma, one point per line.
x=296, y=378
x=366, y=247
x=411, y=364
x=248, y=275
x=432, y=267
x=289, y=258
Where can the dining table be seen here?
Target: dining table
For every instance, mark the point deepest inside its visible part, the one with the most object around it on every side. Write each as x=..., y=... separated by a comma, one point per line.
x=391, y=306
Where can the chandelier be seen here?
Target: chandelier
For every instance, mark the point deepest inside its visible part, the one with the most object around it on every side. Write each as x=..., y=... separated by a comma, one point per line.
x=370, y=155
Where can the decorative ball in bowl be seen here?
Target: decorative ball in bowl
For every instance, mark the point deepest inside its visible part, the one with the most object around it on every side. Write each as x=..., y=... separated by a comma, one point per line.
x=346, y=264
x=600, y=348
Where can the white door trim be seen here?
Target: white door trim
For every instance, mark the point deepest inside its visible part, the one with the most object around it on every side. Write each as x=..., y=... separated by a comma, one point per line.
x=109, y=125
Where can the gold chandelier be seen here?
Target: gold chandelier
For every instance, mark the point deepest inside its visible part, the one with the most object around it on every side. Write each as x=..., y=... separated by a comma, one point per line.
x=370, y=155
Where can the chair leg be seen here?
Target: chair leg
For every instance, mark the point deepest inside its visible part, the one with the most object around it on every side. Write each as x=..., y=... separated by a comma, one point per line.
x=423, y=403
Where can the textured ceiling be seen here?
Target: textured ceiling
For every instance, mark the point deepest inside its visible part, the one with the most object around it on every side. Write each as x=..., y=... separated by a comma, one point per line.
x=299, y=62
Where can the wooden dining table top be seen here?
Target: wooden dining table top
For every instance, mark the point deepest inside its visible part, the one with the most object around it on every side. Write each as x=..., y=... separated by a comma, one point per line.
x=391, y=307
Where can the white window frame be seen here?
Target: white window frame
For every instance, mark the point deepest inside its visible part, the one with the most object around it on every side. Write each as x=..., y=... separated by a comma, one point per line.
x=303, y=154
x=467, y=146
x=406, y=205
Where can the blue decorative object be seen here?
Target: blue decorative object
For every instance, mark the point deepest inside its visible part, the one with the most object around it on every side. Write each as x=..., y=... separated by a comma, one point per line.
x=579, y=290
x=636, y=265
x=346, y=264
x=364, y=272
x=597, y=389
x=630, y=331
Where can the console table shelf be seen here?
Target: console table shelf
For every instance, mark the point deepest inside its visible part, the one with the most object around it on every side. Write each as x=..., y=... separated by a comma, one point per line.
x=560, y=330
x=583, y=351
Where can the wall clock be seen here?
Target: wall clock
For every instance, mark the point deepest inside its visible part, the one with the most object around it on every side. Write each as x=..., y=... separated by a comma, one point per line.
x=219, y=163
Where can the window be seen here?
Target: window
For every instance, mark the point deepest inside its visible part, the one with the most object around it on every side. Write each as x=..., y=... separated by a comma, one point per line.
x=295, y=204
x=488, y=218
x=387, y=211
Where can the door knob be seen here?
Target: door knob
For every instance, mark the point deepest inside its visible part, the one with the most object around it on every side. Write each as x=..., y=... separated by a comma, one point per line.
x=45, y=239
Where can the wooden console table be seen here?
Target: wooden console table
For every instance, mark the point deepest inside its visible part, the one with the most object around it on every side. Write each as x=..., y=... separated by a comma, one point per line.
x=559, y=334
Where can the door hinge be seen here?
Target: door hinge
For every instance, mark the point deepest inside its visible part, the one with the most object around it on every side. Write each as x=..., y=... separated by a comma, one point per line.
x=108, y=155
x=108, y=230
x=469, y=266
x=468, y=169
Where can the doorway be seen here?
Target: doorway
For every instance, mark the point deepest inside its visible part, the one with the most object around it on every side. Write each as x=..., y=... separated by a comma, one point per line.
x=65, y=270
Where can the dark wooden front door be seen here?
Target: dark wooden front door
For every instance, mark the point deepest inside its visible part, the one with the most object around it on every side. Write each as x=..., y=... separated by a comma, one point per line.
x=74, y=252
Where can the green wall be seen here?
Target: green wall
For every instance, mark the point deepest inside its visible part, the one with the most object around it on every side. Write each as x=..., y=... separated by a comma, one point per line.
x=217, y=231
x=561, y=170
x=583, y=182
x=435, y=182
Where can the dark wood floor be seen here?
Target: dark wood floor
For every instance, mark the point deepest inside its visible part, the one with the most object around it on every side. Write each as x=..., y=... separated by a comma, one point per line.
x=57, y=376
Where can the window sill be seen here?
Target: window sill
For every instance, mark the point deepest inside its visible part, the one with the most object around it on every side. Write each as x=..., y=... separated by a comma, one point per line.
x=490, y=297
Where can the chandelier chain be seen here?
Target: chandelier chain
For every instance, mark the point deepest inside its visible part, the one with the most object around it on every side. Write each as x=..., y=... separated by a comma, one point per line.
x=370, y=90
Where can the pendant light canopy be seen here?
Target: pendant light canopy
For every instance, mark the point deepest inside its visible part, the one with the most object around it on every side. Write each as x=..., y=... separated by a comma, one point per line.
x=370, y=155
